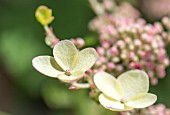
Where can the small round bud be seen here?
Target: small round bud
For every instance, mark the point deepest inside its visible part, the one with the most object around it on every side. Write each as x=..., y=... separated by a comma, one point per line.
x=44, y=15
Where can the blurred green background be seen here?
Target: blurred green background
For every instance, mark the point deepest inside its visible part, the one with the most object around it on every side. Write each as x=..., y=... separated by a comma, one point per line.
x=23, y=90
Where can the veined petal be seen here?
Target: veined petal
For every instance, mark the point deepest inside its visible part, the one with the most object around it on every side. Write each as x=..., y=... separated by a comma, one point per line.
x=133, y=83
x=87, y=58
x=142, y=100
x=73, y=77
x=112, y=104
x=47, y=66
x=65, y=54
x=108, y=84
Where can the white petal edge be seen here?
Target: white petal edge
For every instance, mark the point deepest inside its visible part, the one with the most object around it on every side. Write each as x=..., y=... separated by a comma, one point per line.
x=142, y=100
x=108, y=84
x=65, y=54
x=134, y=82
x=87, y=58
x=112, y=104
x=47, y=66
x=74, y=77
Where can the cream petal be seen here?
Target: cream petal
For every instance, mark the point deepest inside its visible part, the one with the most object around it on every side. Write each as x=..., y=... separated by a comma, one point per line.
x=134, y=82
x=73, y=77
x=47, y=66
x=65, y=54
x=87, y=58
x=142, y=100
x=108, y=84
x=112, y=104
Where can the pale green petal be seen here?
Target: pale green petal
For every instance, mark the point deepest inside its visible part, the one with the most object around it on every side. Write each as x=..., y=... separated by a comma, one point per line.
x=66, y=54
x=112, y=104
x=108, y=84
x=133, y=83
x=74, y=77
x=86, y=60
x=142, y=100
x=47, y=66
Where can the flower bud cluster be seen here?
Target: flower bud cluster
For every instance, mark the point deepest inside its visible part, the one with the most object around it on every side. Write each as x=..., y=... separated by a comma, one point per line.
x=158, y=109
x=130, y=43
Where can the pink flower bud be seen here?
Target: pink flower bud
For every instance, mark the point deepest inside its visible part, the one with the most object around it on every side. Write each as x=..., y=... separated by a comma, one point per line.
x=154, y=81
x=119, y=67
x=114, y=51
x=110, y=65
x=151, y=65
x=105, y=44
x=166, y=61
x=131, y=64
x=151, y=74
x=137, y=42
x=128, y=40
x=110, y=30
x=80, y=42
x=100, y=51
x=162, y=73
x=108, y=4
x=55, y=41
x=137, y=65
x=160, y=107
x=121, y=44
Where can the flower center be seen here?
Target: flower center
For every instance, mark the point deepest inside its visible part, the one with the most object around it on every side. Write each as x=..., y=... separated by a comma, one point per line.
x=68, y=72
x=123, y=100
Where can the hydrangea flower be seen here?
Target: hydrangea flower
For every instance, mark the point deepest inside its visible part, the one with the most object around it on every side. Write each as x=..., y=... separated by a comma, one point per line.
x=68, y=64
x=126, y=92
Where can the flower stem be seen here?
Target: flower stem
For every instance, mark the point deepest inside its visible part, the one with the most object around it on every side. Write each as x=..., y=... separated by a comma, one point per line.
x=80, y=85
x=49, y=32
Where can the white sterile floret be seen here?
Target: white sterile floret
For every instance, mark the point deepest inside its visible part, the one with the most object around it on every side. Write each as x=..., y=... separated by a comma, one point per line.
x=128, y=91
x=68, y=64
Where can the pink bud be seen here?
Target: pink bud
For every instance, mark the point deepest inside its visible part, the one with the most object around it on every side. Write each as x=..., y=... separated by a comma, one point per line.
x=137, y=42
x=100, y=51
x=128, y=40
x=110, y=30
x=166, y=61
x=131, y=64
x=154, y=44
x=131, y=55
x=105, y=44
x=55, y=41
x=162, y=74
x=80, y=41
x=114, y=50
x=108, y=4
x=160, y=107
x=110, y=65
x=119, y=67
x=145, y=55
x=151, y=65
x=102, y=59
x=151, y=74
x=137, y=65
x=121, y=43
x=154, y=81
